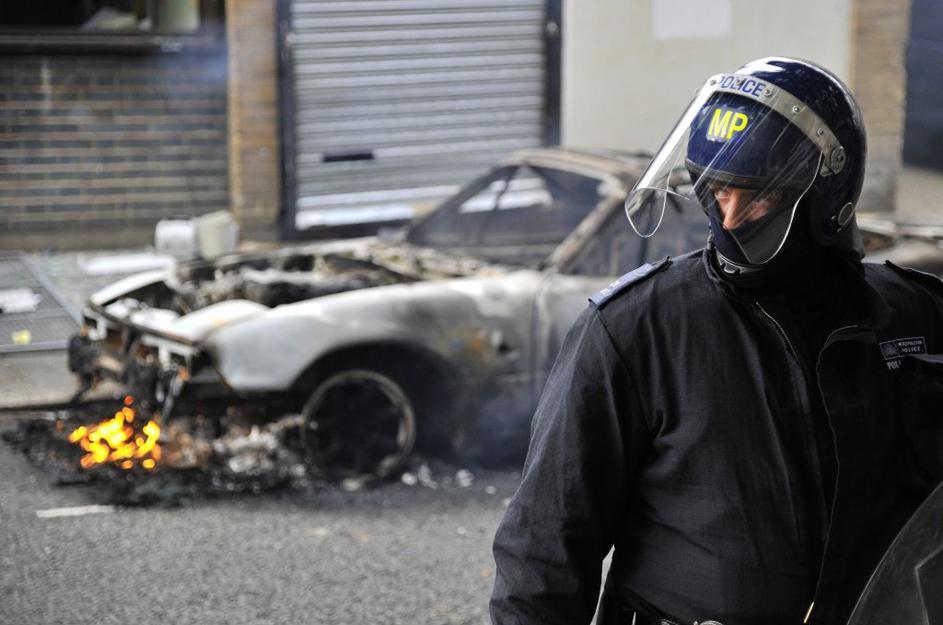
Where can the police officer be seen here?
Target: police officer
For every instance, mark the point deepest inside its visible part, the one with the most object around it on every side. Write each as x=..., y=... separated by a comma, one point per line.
x=749, y=425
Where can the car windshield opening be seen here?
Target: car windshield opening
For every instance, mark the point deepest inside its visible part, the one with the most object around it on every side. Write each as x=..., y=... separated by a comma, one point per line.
x=515, y=215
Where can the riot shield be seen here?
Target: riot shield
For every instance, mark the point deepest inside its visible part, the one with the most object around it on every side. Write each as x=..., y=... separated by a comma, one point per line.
x=907, y=585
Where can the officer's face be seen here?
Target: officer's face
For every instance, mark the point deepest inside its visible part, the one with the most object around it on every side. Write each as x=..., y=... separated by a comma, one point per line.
x=741, y=206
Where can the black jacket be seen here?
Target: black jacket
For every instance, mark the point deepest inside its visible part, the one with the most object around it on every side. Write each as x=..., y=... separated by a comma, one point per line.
x=676, y=426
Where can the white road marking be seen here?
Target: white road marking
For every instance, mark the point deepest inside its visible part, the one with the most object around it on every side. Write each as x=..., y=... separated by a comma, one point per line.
x=53, y=513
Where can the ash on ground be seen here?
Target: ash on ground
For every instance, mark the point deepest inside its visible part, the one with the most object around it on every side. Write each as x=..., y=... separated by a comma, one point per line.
x=202, y=460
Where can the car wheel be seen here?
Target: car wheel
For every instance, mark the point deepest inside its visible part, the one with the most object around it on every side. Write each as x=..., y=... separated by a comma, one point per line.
x=358, y=423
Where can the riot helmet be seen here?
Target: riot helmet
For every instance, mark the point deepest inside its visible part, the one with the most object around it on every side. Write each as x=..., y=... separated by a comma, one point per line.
x=776, y=147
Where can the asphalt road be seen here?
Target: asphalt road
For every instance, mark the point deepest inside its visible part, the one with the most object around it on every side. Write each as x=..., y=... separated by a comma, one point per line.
x=387, y=554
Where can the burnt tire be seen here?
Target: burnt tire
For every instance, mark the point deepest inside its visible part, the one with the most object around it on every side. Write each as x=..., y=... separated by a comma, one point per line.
x=357, y=424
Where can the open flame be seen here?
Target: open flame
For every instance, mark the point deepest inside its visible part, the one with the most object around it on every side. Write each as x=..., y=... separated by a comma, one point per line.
x=119, y=440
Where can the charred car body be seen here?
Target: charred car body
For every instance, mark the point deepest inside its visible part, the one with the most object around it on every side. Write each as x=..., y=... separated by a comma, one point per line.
x=439, y=337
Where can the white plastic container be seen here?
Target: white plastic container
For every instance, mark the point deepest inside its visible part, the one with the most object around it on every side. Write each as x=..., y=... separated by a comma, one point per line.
x=176, y=236
x=217, y=234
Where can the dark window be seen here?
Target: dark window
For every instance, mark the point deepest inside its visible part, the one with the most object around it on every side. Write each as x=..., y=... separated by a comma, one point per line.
x=617, y=249
x=683, y=229
x=104, y=16
x=455, y=222
x=516, y=214
x=41, y=26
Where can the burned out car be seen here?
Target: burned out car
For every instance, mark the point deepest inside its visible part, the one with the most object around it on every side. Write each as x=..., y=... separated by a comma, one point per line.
x=907, y=245
x=439, y=336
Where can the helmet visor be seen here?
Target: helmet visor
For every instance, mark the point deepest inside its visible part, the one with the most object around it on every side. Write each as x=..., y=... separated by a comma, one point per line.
x=738, y=160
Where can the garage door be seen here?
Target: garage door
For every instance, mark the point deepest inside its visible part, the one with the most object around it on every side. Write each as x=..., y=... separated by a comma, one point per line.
x=395, y=102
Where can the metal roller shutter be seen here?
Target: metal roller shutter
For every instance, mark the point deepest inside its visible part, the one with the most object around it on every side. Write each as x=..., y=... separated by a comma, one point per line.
x=397, y=101
x=99, y=142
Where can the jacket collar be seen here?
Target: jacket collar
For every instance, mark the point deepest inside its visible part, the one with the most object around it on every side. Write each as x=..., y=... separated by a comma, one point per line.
x=870, y=310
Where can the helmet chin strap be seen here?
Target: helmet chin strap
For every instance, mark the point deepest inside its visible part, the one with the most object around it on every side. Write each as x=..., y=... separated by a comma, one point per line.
x=738, y=274
x=734, y=269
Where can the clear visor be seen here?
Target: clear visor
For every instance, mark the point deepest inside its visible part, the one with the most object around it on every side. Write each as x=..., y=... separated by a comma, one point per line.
x=740, y=162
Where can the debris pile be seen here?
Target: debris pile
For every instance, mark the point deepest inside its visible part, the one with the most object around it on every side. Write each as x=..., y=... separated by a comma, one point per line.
x=134, y=460
x=422, y=474
x=194, y=456
x=261, y=451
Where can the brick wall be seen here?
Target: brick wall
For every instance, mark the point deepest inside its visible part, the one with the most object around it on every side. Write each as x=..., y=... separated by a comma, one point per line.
x=95, y=149
x=254, y=165
x=879, y=79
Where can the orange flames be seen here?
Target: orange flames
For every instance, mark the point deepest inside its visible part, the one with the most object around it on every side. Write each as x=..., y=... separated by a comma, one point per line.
x=118, y=441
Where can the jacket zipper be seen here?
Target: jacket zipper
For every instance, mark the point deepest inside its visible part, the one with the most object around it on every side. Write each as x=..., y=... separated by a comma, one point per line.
x=807, y=409
x=831, y=508
x=782, y=332
x=814, y=455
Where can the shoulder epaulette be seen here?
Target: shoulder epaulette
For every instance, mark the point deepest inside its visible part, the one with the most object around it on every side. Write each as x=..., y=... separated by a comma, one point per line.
x=926, y=279
x=633, y=277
